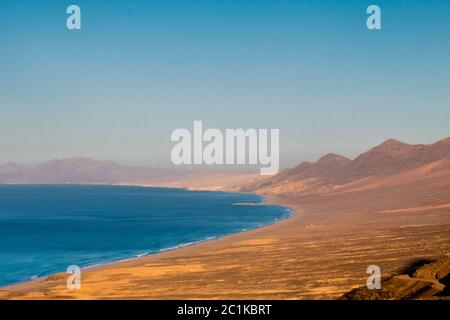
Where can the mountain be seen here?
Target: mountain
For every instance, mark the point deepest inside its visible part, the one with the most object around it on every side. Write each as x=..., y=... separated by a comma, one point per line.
x=77, y=170
x=384, y=167
x=394, y=156
x=326, y=165
x=402, y=169
x=13, y=172
x=11, y=168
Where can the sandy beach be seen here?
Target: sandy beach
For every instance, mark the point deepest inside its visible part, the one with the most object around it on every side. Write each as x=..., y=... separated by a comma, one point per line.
x=318, y=253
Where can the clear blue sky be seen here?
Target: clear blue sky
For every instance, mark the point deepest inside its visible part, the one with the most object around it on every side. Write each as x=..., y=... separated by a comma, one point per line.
x=139, y=69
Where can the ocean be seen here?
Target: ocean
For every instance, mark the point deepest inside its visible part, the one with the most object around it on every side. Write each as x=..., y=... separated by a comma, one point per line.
x=46, y=228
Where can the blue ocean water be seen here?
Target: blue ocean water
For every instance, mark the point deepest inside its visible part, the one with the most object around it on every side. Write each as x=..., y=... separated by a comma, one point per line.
x=46, y=228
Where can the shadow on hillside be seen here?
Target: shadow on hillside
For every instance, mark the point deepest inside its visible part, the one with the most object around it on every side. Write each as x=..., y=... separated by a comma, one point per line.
x=445, y=281
x=410, y=268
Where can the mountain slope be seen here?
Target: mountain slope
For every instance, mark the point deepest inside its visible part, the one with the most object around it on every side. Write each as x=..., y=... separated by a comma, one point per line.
x=428, y=282
x=385, y=167
x=394, y=156
x=306, y=171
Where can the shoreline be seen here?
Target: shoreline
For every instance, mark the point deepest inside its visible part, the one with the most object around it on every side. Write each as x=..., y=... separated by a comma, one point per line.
x=320, y=252
x=97, y=266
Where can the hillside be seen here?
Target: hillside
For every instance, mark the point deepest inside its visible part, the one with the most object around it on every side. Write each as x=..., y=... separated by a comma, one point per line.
x=429, y=281
x=393, y=170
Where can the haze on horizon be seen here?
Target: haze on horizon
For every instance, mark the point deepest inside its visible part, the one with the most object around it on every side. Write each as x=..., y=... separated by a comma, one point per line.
x=138, y=70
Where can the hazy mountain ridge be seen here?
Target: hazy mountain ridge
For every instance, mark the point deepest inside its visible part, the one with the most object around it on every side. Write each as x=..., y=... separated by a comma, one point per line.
x=385, y=167
x=77, y=170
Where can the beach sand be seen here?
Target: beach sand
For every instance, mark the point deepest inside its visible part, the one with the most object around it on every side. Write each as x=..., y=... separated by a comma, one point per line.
x=321, y=252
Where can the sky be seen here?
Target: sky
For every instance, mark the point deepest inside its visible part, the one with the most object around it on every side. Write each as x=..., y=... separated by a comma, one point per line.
x=137, y=70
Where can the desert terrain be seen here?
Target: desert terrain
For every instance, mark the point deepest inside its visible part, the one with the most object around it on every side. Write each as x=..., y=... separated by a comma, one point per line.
x=389, y=207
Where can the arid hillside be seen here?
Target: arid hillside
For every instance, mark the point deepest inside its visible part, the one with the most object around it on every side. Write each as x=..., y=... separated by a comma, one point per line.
x=430, y=281
x=394, y=174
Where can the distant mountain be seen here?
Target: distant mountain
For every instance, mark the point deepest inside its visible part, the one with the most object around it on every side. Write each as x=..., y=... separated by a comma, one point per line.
x=392, y=162
x=12, y=172
x=12, y=168
x=77, y=170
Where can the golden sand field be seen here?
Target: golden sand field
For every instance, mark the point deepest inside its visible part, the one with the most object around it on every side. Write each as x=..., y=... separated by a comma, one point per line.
x=316, y=254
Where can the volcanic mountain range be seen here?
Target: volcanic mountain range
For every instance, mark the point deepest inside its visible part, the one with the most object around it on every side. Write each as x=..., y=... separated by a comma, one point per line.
x=394, y=168
x=393, y=163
